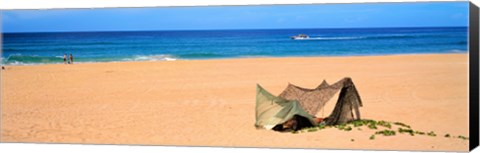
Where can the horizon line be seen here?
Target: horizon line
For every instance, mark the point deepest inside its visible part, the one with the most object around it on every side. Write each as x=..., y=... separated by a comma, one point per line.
x=230, y=29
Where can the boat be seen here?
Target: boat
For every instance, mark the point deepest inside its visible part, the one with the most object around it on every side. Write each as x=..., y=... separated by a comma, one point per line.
x=300, y=36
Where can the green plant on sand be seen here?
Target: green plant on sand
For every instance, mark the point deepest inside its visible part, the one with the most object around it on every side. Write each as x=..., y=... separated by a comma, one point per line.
x=386, y=132
x=409, y=131
x=372, y=124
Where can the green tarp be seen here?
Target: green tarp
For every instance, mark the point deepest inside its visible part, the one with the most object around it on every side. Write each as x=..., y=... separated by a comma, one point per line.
x=272, y=110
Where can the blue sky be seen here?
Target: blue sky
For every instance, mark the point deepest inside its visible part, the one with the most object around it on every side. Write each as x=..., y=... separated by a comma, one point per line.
x=426, y=14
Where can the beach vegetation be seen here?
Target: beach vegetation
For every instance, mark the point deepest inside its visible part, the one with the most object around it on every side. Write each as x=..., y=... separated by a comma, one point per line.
x=402, y=124
x=372, y=126
x=463, y=137
x=420, y=132
x=432, y=134
x=409, y=131
x=386, y=132
x=384, y=126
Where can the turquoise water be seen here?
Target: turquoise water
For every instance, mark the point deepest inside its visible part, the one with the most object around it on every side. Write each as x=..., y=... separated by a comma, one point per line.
x=46, y=48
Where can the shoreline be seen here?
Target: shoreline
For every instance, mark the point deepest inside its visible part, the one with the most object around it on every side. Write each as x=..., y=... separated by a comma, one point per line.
x=240, y=58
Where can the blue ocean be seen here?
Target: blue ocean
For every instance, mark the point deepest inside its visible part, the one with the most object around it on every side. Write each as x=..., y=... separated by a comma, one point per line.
x=49, y=47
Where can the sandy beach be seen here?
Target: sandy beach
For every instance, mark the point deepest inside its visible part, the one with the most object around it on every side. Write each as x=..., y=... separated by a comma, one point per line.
x=212, y=102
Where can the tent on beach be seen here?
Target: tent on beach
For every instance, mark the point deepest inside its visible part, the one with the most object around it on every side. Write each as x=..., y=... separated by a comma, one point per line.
x=313, y=100
x=296, y=102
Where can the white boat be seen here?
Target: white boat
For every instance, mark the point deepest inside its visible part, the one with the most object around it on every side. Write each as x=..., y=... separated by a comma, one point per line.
x=300, y=36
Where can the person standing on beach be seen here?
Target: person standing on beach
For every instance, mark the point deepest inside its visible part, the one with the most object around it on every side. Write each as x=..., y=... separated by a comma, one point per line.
x=71, y=59
x=64, y=58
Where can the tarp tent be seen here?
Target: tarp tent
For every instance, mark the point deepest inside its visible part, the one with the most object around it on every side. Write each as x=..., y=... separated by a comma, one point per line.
x=313, y=100
x=272, y=110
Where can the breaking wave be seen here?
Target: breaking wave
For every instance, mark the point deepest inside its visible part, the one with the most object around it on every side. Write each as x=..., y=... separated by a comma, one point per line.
x=35, y=60
x=390, y=36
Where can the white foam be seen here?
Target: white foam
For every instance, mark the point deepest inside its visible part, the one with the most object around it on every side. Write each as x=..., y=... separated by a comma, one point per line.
x=170, y=59
x=457, y=51
x=21, y=63
x=331, y=38
x=152, y=58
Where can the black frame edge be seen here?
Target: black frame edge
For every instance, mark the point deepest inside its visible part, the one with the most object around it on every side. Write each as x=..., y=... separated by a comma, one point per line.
x=474, y=75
